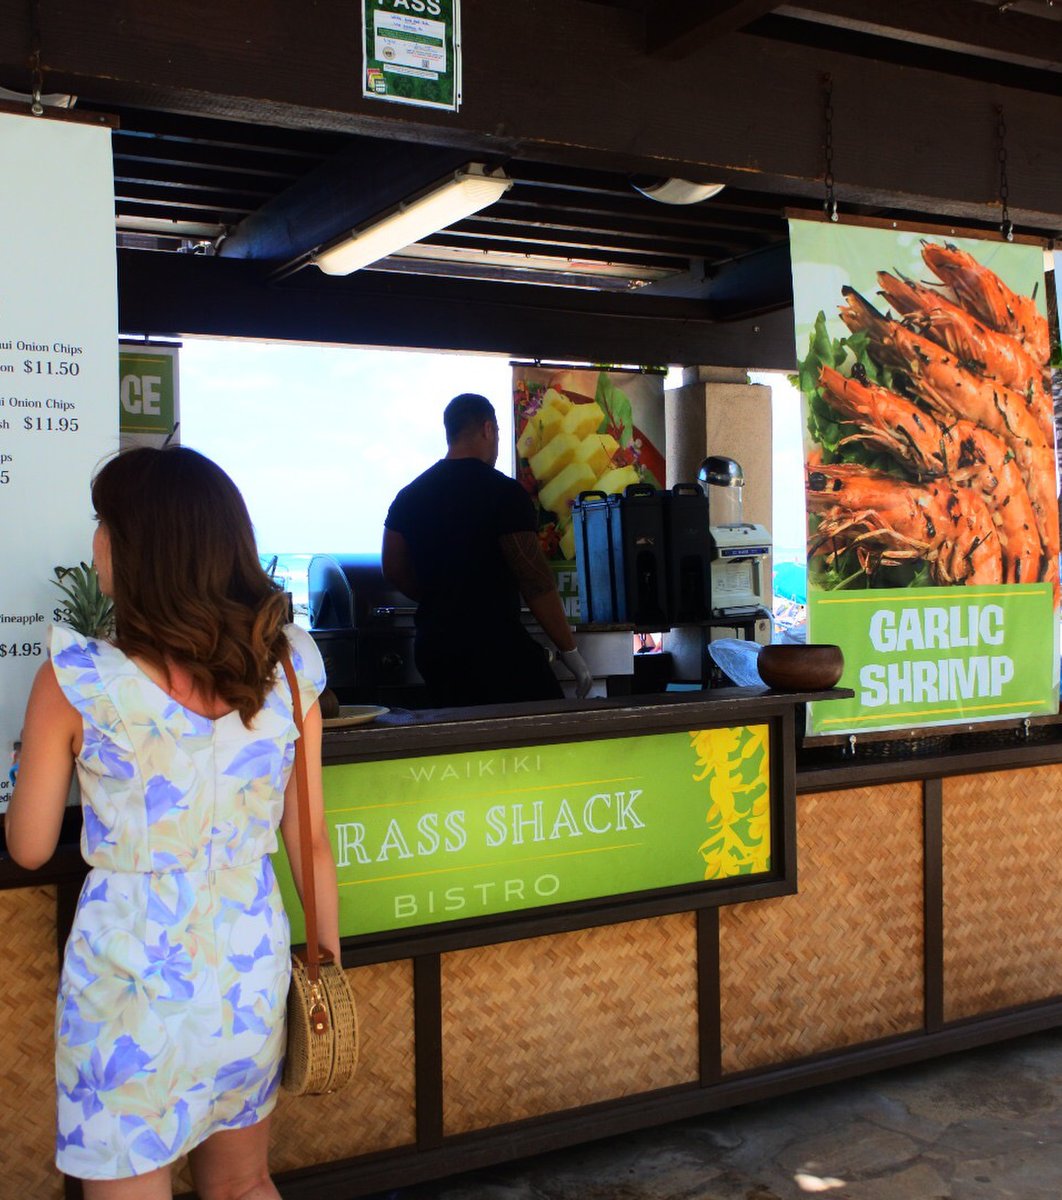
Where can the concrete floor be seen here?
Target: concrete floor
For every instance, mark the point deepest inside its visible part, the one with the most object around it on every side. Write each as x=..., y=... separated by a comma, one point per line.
x=982, y=1125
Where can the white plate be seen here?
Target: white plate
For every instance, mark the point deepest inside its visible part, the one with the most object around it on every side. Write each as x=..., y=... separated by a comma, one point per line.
x=354, y=714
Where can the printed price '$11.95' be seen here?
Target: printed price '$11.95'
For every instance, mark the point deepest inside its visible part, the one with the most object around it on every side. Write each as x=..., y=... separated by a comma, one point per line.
x=50, y=424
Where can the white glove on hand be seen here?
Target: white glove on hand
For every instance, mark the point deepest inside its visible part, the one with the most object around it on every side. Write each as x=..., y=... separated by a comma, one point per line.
x=573, y=660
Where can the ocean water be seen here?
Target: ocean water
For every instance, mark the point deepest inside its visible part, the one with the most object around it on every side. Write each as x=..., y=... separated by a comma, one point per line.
x=289, y=571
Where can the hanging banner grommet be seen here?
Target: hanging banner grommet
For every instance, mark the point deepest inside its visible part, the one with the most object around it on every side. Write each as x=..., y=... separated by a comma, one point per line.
x=412, y=57
x=933, y=532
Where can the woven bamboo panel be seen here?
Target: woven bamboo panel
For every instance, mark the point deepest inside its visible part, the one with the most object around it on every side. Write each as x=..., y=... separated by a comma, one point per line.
x=27, y=1046
x=1002, y=890
x=377, y=1110
x=550, y=1023
x=841, y=962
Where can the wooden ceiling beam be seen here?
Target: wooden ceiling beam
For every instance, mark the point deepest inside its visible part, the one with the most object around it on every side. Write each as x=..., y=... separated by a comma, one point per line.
x=677, y=28
x=189, y=294
x=519, y=240
x=747, y=112
x=955, y=26
x=558, y=247
x=620, y=235
x=622, y=210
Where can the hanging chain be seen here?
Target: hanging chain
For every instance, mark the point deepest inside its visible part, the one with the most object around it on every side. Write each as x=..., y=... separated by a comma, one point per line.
x=829, y=205
x=37, y=108
x=1006, y=226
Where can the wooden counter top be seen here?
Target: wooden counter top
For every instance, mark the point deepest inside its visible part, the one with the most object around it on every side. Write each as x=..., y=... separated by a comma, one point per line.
x=426, y=731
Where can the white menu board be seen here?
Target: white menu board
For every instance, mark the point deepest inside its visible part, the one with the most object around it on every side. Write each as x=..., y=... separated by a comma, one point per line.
x=58, y=378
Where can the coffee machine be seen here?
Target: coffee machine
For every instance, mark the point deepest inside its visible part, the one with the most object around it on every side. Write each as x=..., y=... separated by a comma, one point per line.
x=738, y=547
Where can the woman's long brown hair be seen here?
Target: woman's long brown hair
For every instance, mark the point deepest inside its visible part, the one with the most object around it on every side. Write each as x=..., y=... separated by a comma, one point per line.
x=188, y=586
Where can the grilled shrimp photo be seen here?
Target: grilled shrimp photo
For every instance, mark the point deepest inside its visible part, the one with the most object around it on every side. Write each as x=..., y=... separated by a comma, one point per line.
x=953, y=392
x=887, y=421
x=988, y=296
x=965, y=452
x=890, y=521
x=995, y=355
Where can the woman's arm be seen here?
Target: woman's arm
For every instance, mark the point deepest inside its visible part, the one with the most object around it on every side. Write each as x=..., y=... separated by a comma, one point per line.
x=51, y=739
x=324, y=866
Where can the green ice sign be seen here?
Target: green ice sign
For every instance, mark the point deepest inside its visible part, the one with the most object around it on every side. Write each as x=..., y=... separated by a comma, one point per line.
x=937, y=656
x=412, y=52
x=419, y=841
x=147, y=389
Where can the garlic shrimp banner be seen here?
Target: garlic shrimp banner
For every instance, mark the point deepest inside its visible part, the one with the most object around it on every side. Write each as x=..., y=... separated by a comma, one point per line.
x=930, y=474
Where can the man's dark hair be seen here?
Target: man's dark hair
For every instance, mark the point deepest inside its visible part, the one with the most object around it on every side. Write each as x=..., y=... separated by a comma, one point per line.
x=464, y=412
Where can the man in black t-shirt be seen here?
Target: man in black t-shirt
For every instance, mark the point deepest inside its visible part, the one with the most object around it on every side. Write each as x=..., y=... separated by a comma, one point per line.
x=461, y=541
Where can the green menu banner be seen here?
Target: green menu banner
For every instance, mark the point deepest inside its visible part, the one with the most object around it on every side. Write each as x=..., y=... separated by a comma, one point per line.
x=419, y=841
x=412, y=52
x=919, y=656
x=931, y=476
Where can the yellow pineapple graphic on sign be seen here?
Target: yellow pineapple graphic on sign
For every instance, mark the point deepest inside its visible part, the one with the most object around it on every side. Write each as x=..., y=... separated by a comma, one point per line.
x=735, y=764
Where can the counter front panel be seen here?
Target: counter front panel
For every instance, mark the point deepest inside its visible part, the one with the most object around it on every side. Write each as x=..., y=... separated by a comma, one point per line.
x=433, y=839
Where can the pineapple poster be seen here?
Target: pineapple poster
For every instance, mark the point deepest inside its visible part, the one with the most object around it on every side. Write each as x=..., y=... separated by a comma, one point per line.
x=930, y=474
x=580, y=430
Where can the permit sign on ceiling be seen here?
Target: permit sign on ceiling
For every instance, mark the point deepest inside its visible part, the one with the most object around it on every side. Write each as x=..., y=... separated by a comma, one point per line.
x=412, y=52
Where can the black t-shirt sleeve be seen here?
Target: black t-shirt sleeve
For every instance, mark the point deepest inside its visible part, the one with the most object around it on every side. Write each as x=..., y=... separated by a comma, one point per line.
x=514, y=512
x=398, y=514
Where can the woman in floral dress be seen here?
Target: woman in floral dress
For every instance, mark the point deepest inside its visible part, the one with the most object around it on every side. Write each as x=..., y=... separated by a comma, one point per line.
x=170, y=1022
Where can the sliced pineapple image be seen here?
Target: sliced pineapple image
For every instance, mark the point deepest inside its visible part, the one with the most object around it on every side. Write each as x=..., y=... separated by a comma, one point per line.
x=564, y=487
x=567, y=541
x=538, y=431
x=597, y=451
x=583, y=419
x=557, y=400
x=554, y=457
x=615, y=481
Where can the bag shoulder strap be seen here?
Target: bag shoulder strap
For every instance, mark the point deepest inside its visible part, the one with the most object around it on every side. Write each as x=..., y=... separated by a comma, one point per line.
x=302, y=791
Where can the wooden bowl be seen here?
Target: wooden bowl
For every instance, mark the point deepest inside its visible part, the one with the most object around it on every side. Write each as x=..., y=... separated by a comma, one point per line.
x=796, y=668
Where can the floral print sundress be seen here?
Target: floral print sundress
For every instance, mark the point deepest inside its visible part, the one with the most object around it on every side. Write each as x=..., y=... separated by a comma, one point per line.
x=170, y=1020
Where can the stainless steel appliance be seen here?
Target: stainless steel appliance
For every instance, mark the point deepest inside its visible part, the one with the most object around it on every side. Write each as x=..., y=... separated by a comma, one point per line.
x=364, y=630
x=738, y=546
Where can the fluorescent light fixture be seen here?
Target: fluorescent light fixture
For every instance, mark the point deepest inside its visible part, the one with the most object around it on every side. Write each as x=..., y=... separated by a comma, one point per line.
x=459, y=196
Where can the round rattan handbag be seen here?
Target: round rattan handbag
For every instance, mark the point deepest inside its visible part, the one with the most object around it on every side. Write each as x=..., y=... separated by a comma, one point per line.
x=322, y=1052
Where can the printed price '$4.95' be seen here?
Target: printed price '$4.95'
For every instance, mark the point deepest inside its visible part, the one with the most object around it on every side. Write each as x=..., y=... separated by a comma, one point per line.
x=21, y=649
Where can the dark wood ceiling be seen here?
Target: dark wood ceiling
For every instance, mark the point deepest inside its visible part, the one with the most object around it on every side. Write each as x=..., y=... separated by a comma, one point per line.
x=186, y=183
x=231, y=184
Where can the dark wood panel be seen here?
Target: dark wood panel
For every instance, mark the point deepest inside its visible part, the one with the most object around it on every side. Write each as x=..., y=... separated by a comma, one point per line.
x=427, y=1019
x=745, y=110
x=933, y=860
x=170, y=293
x=867, y=770
x=709, y=1019
x=679, y=27
x=956, y=26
